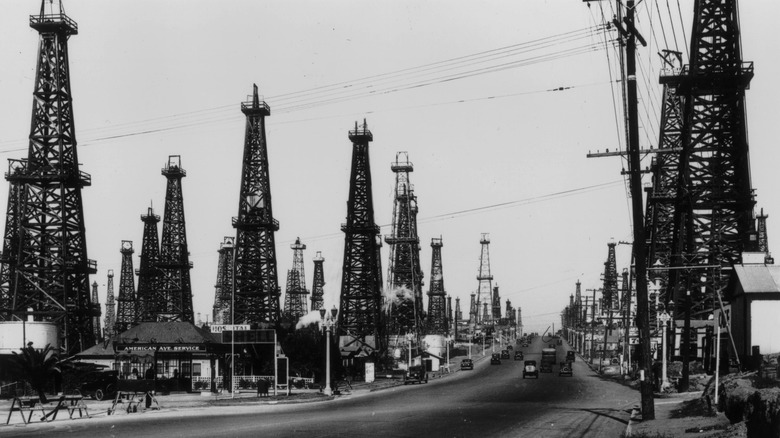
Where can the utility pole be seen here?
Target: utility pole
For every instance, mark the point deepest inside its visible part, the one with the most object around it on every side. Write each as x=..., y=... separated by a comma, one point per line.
x=630, y=35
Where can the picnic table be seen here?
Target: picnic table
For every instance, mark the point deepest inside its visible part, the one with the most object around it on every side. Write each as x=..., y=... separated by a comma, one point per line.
x=29, y=405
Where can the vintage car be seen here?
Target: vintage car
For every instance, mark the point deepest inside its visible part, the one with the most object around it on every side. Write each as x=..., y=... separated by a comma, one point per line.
x=504, y=354
x=416, y=374
x=466, y=364
x=518, y=355
x=99, y=384
x=495, y=359
x=566, y=369
x=570, y=356
x=529, y=369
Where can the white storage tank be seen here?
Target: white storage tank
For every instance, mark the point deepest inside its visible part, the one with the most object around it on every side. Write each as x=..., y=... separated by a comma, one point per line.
x=16, y=334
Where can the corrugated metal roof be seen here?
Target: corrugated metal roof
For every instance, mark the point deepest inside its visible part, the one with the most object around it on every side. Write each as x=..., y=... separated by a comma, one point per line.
x=758, y=278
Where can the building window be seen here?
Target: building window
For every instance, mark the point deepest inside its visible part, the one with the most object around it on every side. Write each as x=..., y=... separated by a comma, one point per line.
x=196, y=369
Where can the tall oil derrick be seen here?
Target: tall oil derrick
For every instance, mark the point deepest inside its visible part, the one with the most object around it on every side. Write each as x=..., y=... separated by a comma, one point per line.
x=662, y=195
x=510, y=312
x=473, y=310
x=318, y=283
x=579, y=318
x=149, y=298
x=256, y=281
x=295, y=295
x=224, y=287
x=51, y=266
x=449, y=314
x=8, y=258
x=437, y=296
x=174, y=262
x=763, y=238
x=96, y=319
x=486, y=313
x=520, y=318
x=610, y=291
x=485, y=288
x=128, y=304
x=496, y=306
x=715, y=200
x=405, y=276
x=110, y=320
x=360, y=322
x=458, y=311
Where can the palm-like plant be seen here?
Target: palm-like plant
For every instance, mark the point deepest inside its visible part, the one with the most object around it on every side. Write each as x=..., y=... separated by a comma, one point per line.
x=36, y=367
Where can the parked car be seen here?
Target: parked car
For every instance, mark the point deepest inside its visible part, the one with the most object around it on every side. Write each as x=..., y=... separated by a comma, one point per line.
x=416, y=374
x=495, y=359
x=509, y=347
x=518, y=355
x=466, y=364
x=99, y=384
x=570, y=356
x=529, y=369
x=504, y=354
x=566, y=369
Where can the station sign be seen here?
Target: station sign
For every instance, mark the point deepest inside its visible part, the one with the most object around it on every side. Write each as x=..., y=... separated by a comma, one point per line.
x=219, y=328
x=159, y=347
x=262, y=336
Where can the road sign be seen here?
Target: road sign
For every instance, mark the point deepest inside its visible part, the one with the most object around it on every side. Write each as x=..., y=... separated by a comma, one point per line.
x=219, y=328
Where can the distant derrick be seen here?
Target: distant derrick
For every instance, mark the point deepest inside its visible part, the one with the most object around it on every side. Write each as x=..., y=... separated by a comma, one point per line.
x=318, y=283
x=9, y=256
x=96, y=319
x=610, y=290
x=127, y=304
x=437, y=321
x=110, y=321
x=224, y=286
x=51, y=261
x=473, y=310
x=762, y=237
x=174, y=262
x=405, y=276
x=485, y=289
x=359, y=318
x=458, y=312
x=256, y=279
x=496, y=307
x=149, y=295
x=295, y=296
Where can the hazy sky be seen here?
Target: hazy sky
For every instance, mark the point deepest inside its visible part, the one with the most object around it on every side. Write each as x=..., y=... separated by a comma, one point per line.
x=496, y=103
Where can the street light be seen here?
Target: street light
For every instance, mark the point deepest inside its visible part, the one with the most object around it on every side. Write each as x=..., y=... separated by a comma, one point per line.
x=665, y=317
x=409, y=338
x=328, y=323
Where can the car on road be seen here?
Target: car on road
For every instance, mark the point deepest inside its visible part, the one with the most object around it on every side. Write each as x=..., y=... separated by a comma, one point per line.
x=100, y=384
x=570, y=356
x=504, y=354
x=466, y=364
x=518, y=355
x=495, y=359
x=509, y=347
x=529, y=369
x=566, y=369
x=416, y=374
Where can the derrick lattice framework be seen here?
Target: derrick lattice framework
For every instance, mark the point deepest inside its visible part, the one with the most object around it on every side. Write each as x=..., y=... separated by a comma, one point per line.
x=458, y=311
x=496, y=306
x=51, y=264
x=174, y=262
x=8, y=258
x=110, y=320
x=127, y=308
x=256, y=279
x=296, y=292
x=485, y=288
x=224, y=287
x=714, y=217
x=405, y=276
x=662, y=195
x=148, y=274
x=762, y=236
x=611, y=301
x=318, y=283
x=360, y=320
x=438, y=315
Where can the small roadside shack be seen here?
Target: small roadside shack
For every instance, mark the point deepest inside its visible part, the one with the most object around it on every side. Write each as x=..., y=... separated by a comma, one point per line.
x=753, y=293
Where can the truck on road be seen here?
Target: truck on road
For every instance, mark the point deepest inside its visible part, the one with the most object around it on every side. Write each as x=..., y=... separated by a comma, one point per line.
x=548, y=359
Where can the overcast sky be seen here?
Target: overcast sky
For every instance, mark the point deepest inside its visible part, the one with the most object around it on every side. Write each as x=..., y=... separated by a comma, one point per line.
x=496, y=102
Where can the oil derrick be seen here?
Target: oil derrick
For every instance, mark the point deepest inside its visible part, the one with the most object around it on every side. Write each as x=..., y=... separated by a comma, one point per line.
x=360, y=323
x=437, y=297
x=318, y=283
x=174, y=262
x=405, y=276
x=295, y=296
x=610, y=292
x=485, y=279
x=763, y=238
x=715, y=207
x=51, y=265
x=110, y=320
x=449, y=314
x=256, y=280
x=625, y=301
x=149, y=299
x=485, y=313
x=224, y=287
x=473, y=310
x=458, y=312
x=496, y=306
x=8, y=258
x=662, y=195
x=579, y=318
x=520, y=319
x=127, y=304
x=96, y=319
x=510, y=312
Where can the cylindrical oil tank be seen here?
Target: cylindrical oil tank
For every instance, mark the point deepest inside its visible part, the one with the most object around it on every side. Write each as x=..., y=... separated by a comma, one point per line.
x=16, y=334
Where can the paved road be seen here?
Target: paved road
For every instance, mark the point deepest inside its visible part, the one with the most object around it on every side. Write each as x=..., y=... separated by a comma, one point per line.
x=491, y=401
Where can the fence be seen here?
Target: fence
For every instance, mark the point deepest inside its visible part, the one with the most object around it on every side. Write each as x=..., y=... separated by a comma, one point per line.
x=243, y=382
